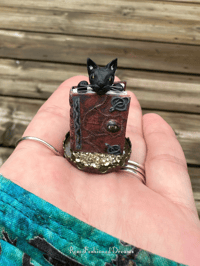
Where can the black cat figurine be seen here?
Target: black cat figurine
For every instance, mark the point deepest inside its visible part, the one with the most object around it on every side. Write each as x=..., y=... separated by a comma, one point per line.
x=96, y=142
x=101, y=78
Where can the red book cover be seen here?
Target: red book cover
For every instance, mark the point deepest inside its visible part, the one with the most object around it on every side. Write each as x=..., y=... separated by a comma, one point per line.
x=98, y=122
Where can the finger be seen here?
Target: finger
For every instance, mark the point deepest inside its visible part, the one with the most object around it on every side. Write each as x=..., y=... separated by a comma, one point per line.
x=135, y=134
x=166, y=168
x=135, y=131
x=51, y=123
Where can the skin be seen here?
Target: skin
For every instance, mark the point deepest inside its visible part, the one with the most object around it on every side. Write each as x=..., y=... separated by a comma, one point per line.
x=159, y=217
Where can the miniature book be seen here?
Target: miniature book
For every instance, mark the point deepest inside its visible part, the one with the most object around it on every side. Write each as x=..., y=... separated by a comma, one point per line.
x=96, y=142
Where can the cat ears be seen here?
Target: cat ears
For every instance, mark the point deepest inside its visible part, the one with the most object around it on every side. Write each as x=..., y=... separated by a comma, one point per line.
x=92, y=65
x=112, y=65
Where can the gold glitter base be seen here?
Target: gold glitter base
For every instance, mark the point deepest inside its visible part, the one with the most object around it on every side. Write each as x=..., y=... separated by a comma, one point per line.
x=99, y=163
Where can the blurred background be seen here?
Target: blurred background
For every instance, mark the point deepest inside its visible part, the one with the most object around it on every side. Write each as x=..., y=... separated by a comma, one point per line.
x=157, y=43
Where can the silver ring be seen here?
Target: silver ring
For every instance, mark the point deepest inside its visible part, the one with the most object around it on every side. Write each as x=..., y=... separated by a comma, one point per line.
x=136, y=174
x=136, y=164
x=136, y=169
x=41, y=141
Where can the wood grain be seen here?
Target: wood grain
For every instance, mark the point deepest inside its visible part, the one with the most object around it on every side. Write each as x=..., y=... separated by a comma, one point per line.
x=164, y=91
x=16, y=114
x=195, y=180
x=197, y=202
x=187, y=130
x=73, y=49
x=157, y=44
x=4, y=154
x=182, y=1
x=153, y=90
x=97, y=6
x=144, y=20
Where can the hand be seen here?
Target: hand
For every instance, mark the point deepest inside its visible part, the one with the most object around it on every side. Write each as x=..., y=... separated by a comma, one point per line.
x=159, y=217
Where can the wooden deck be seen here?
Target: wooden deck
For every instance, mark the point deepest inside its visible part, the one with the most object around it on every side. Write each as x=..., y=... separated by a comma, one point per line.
x=157, y=43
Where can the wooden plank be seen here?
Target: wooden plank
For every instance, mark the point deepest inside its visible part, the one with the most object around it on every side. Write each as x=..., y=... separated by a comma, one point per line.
x=187, y=130
x=16, y=113
x=181, y=123
x=195, y=180
x=149, y=8
x=4, y=154
x=194, y=173
x=164, y=91
x=106, y=6
x=144, y=20
x=75, y=49
x=197, y=202
x=182, y=1
x=153, y=90
x=34, y=79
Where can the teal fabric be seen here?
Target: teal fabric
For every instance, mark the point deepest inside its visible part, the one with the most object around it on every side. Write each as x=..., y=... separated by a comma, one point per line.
x=34, y=232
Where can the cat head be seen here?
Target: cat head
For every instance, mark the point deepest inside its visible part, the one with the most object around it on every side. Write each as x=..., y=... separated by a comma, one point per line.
x=101, y=77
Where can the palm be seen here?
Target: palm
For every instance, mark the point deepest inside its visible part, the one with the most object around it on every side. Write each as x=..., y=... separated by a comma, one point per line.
x=117, y=203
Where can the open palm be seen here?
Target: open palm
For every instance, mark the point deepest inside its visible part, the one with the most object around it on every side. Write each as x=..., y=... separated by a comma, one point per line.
x=159, y=217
